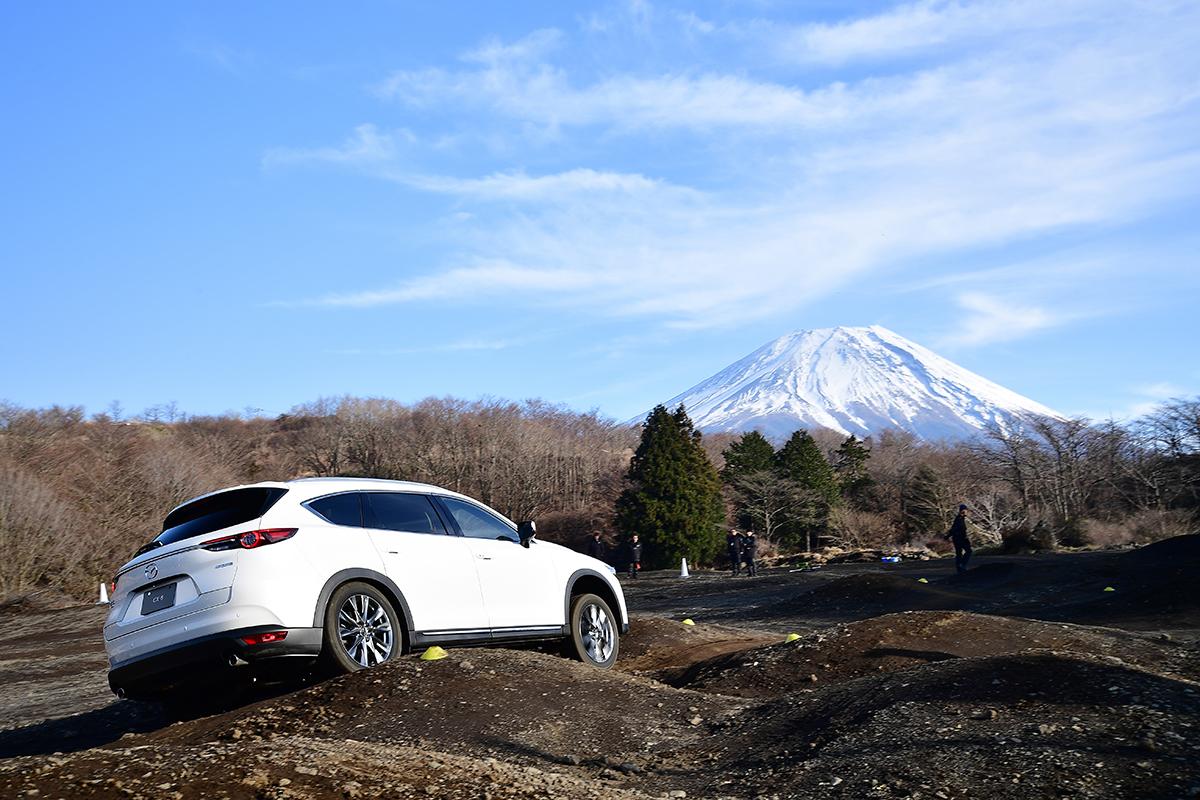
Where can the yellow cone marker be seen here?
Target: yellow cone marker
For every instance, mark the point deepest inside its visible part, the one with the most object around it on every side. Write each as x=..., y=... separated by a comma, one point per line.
x=791, y=637
x=688, y=622
x=1109, y=589
x=922, y=580
x=433, y=654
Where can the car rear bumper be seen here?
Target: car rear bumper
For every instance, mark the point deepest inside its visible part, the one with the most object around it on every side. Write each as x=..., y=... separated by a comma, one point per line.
x=210, y=659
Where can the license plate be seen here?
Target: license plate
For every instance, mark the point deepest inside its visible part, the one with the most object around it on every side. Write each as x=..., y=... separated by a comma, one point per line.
x=158, y=599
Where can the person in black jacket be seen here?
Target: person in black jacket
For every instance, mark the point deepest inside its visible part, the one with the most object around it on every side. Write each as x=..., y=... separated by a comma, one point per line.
x=733, y=542
x=749, y=551
x=958, y=535
x=595, y=547
x=635, y=556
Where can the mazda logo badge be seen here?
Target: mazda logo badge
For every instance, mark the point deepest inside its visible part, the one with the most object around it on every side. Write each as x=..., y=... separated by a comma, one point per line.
x=151, y=572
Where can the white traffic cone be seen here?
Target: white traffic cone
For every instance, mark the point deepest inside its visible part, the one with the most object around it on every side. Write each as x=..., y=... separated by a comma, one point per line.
x=683, y=572
x=103, y=601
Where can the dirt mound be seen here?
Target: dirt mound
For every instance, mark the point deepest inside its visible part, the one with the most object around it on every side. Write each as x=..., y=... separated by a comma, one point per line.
x=525, y=723
x=873, y=592
x=1154, y=588
x=655, y=643
x=902, y=641
x=1178, y=551
x=292, y=767
x=1038, y=724
x=934, y=702
x=502, y=702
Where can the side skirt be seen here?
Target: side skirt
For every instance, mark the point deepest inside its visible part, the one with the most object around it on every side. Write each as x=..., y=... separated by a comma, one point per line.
x=482, y=637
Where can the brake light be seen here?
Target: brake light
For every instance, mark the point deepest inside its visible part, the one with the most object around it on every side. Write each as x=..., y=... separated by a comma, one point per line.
x=250, y=539
x=264, y=638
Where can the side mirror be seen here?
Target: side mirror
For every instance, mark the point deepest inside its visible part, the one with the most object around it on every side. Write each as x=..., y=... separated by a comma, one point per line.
x=526, y=531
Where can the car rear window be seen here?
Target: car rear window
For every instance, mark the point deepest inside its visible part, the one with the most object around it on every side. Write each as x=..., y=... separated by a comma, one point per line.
x=217, y=511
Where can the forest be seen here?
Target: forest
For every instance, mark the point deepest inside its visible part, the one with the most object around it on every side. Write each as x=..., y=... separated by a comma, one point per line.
x=79, y=494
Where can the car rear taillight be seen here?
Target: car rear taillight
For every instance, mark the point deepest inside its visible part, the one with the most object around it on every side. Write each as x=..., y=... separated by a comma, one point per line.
x=264, y=638
x=250, y=539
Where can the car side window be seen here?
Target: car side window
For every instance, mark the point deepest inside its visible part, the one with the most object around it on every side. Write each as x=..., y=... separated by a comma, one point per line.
x=396, y=511
x=339, y=509
x=477, y=523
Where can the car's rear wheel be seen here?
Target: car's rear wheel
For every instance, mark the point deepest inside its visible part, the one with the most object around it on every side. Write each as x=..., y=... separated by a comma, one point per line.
x=594, y=632
x=362, y=629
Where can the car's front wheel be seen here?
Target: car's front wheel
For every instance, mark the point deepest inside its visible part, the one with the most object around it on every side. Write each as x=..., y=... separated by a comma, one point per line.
x=594, y=631
x=362, y=629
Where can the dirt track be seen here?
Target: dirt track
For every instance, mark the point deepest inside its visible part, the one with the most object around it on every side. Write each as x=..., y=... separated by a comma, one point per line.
x=1023, y=678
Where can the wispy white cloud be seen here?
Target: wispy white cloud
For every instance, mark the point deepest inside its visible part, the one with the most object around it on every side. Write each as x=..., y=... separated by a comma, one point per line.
x=459, y=346
x=464, y=283
x=1025, y=133
x=987, y=320
x=366, y=145
x=521, y=186
x=929, y=24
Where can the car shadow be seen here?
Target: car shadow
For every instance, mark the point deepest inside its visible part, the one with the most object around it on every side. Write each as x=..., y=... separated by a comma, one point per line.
x=103, y=726
x=83, y=731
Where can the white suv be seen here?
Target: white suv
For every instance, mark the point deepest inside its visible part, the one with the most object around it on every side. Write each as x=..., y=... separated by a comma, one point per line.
x=351, y=571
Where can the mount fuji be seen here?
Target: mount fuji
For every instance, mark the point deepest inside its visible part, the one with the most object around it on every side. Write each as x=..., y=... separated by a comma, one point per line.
x=853, y=380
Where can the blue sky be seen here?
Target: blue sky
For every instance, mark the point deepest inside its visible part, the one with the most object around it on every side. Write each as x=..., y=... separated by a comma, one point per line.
x=235, y=206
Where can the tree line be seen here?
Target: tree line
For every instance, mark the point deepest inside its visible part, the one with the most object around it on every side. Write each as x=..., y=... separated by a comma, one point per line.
x=1044, y=484
x=79, y=494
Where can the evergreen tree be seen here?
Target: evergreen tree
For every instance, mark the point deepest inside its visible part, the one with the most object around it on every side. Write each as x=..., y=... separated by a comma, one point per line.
x=674, y=497
x=923, y=504
x=752, y=453
x=850, y=464
x=800, y=460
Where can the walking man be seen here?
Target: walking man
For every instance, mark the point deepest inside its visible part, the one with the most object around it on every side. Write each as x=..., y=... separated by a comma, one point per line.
x=733, y=542
x=635, y=556
x=958, y=535
x=749, y=551
x=595, y=547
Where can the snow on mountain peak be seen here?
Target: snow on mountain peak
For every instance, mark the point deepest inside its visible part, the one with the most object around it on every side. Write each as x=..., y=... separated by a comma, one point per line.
x=858, y=380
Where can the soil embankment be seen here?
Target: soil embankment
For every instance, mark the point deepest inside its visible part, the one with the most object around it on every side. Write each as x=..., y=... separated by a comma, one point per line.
x=1022, y=678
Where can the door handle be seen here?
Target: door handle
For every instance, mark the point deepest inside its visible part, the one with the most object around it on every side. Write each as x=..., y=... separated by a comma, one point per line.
x=483, y=557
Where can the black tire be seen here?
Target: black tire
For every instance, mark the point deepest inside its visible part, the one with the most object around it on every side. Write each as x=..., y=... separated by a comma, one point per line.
x=595, y=631
x=362, y=629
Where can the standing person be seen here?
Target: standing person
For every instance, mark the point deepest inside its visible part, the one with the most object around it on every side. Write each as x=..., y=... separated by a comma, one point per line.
x=595, y=547
x=635, y=556
x=749, y=551
x=958, y=535
x=734, y=544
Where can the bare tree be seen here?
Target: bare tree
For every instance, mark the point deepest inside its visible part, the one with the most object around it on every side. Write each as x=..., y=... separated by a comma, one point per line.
x=770, y=500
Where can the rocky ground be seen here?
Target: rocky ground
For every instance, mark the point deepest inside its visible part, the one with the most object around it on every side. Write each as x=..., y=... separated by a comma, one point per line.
x=1022, y=678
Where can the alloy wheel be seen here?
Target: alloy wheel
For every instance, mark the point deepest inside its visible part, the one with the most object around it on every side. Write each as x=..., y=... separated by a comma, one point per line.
x=365, y=630
x=596, y=630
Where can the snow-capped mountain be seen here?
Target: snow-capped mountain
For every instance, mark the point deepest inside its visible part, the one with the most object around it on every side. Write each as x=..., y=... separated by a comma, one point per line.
x=852, y=380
